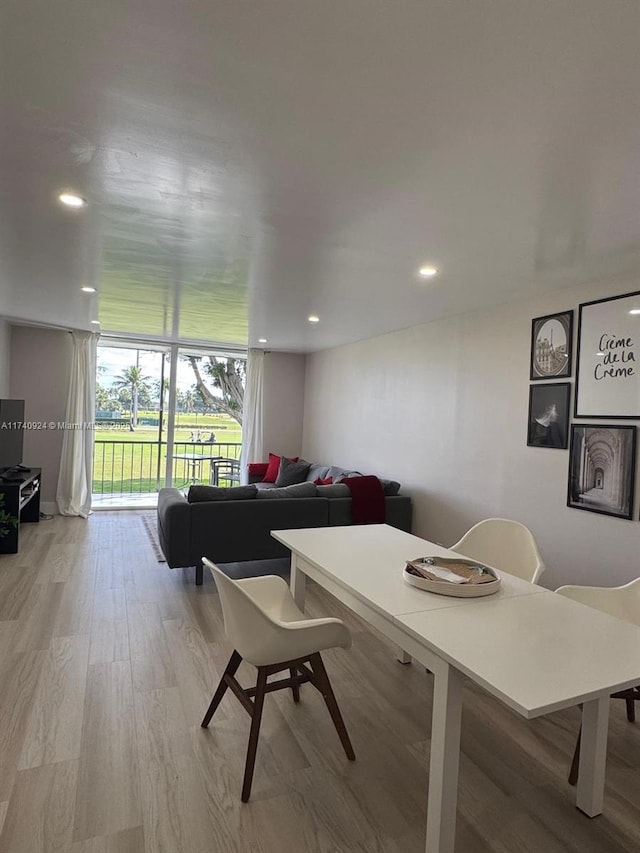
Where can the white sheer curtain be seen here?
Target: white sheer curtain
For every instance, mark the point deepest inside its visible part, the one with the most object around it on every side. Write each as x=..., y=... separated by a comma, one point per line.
x=76, y=464
x=252, y=417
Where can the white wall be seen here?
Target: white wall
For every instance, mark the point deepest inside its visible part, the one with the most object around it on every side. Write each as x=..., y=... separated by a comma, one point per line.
x=284, y=378
x=443, y=408
x=5, y=357
x=40, y=366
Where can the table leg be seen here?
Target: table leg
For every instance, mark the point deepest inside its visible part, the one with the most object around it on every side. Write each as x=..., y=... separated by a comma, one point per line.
x=445, y=759
x=593, y=756
x=298, y=583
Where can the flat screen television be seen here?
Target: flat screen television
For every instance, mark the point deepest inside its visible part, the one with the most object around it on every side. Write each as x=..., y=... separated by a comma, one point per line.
x=11, y=433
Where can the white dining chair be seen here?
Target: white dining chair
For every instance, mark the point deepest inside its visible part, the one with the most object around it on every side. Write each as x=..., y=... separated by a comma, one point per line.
x=267, y=629
x=505, y=545
x=624, y=603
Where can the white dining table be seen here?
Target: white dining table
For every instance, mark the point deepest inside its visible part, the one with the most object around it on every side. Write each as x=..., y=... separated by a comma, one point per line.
x=536, y=651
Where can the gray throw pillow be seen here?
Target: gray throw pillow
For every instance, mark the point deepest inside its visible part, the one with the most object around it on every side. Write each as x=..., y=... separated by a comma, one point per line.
x=292, y=472
x=299, y=490
x=218, y=493
x=390, y=487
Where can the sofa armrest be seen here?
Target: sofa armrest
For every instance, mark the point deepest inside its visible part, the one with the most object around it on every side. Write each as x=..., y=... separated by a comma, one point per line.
x=174, y=527
x=399, y=512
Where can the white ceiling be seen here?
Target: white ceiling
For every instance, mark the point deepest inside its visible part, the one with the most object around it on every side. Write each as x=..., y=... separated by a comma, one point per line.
x=249, y=162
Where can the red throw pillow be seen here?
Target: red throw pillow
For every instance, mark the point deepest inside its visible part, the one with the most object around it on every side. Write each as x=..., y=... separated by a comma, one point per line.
x=257, y=469
x=320, y=482
x=273, y=467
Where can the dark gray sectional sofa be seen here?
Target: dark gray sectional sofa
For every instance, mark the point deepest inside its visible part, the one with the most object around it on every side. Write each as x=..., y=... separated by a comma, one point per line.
x=235, y=530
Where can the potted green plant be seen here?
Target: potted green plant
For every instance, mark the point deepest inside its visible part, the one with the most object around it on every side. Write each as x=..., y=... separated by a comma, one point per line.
x=8, y=522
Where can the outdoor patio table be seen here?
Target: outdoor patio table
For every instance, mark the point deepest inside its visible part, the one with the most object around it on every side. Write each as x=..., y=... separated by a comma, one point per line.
x=194, y=460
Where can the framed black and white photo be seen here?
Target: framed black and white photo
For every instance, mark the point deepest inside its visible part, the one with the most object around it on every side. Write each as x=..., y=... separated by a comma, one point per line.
x=551, y=339
x=549, y=415
x=608, y=375
x=602, y=463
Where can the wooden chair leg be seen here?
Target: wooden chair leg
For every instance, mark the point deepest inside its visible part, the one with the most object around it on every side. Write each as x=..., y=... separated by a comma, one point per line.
x=324, y=685
x=258, y=703
x=575, y=764
x=631, y=710
x=296, y=687
x=234, y=662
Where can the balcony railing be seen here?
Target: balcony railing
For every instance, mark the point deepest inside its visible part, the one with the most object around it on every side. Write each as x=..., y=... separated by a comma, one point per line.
x=138, y=467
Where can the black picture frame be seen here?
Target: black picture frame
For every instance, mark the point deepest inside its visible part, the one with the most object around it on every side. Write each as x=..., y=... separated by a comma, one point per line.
x=549, y=407
x=602, y=469
x=608, y=358
x=551, y=359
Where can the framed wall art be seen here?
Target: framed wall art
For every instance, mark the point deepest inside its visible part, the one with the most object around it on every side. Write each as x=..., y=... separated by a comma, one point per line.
x=551, y=340
x=602, y=463
x=608, y=374
x=549, y=415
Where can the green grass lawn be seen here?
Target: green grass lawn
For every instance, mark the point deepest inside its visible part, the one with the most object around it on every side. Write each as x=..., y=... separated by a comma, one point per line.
x=127, y=462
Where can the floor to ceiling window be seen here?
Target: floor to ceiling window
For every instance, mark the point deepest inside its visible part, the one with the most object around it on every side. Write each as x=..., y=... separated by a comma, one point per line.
x=164, y=416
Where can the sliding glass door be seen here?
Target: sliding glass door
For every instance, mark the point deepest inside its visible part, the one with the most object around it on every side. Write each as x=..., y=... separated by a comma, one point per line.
x=164, y=416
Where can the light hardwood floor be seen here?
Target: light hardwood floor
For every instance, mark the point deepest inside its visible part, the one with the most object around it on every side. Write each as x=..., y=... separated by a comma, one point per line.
x=108, y=660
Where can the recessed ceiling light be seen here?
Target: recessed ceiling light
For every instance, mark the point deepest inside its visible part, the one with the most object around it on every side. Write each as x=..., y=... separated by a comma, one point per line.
x=635, y=311
x=262, y=340
x=313, y=318
x=96, y=322
x=88, y=289
x=71, y=200
x=427, y=272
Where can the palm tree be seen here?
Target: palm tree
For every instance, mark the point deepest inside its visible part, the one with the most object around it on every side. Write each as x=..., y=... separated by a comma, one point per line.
x=188, y=400
x=132, y=379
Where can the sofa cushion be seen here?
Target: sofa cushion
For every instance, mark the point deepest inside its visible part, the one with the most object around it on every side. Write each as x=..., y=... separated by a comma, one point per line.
x=337, y=490
x=292, y=472
x=217, y=493
x=299, y=490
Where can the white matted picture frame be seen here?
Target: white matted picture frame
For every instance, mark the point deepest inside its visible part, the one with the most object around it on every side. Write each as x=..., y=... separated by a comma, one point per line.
x=608, y=361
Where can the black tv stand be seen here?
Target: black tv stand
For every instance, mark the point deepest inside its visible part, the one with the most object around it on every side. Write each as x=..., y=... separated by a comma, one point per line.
x=21, y=492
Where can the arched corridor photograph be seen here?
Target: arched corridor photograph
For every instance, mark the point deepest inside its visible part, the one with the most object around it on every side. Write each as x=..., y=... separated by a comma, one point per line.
x=601, y=469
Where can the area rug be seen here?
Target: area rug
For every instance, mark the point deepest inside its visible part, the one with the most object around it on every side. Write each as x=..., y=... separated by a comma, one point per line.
x=149, y=522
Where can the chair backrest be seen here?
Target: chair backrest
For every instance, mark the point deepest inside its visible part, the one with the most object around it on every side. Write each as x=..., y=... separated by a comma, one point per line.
x=248, y=628
x=505, y=545
x=620, y=601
